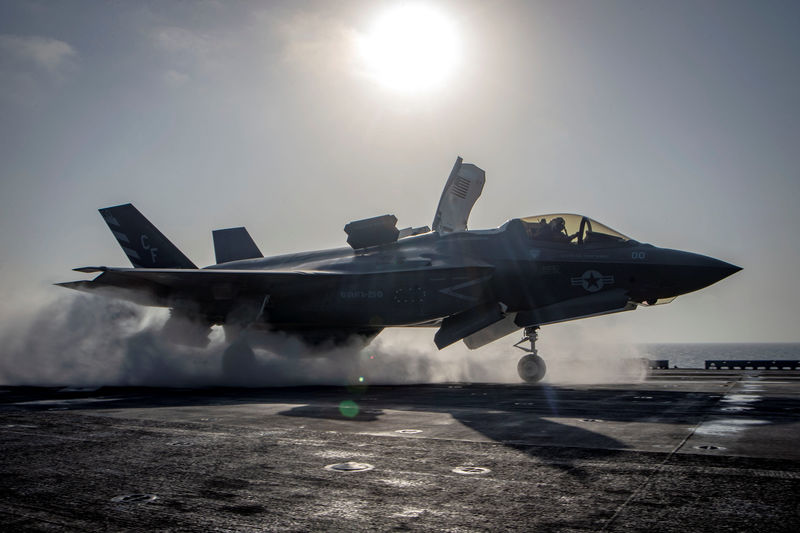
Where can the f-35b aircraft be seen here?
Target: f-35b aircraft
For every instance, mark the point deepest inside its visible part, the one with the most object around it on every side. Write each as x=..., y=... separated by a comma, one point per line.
x=473, y=285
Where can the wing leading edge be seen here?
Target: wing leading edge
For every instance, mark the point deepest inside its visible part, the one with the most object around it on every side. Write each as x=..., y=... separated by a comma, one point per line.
x=151, y=286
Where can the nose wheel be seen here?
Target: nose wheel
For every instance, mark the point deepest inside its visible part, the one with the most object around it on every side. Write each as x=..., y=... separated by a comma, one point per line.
x=531, y=367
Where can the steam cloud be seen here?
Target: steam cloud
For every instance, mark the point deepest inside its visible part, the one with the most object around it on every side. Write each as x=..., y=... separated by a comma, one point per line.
x=84, y=340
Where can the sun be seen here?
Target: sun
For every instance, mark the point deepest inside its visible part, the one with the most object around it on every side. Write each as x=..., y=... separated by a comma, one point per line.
x=410, y=47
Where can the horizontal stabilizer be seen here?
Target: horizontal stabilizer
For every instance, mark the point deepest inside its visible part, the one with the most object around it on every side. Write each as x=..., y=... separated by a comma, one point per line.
x=145, y=246
x=136, y=291
x=90, y=270
x=456, y=327
x=82, y=285
x=233, y=244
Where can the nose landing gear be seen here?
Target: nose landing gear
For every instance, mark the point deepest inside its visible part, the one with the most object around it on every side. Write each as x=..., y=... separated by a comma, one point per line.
x=531, y=367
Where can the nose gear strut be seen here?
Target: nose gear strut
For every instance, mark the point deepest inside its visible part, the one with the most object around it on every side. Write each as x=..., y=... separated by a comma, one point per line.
x=531, y=367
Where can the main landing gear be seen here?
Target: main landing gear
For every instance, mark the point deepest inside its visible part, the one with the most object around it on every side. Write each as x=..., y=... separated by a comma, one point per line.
x=531, y=367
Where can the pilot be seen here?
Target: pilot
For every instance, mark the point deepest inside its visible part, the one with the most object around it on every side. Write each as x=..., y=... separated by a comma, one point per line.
x=558, y=230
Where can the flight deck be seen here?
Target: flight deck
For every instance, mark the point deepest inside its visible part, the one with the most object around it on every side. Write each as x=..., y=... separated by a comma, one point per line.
x=683, y=450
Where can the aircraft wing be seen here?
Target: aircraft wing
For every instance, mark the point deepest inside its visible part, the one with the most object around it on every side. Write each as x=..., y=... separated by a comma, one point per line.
x=151, y=286
x=154, y=286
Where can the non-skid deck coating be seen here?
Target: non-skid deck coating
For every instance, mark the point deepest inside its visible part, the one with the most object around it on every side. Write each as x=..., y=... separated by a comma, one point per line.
x=686, y=450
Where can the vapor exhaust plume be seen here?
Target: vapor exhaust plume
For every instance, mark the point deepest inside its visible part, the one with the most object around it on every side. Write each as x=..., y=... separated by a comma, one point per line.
x=85, y=340
x=592, y=352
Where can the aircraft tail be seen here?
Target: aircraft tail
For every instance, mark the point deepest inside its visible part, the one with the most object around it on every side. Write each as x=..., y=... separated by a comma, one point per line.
x=145, y=246
x=233, y=244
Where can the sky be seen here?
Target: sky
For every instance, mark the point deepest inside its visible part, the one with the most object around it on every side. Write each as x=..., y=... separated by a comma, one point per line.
x=676, y=123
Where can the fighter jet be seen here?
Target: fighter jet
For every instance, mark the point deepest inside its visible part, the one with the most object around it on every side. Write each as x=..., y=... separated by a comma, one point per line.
x=476, y=286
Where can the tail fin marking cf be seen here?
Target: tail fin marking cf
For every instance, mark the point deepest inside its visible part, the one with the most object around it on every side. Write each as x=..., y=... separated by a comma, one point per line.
x=145, y=246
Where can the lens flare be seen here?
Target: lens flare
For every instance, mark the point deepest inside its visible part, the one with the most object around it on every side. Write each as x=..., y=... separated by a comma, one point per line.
x=349, y=408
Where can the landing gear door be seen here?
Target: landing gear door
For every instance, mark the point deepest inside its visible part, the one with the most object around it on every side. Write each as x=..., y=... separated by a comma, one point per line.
x=462, y=190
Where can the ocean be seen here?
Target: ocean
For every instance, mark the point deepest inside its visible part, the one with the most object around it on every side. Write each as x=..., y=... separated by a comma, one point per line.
x=695, y=355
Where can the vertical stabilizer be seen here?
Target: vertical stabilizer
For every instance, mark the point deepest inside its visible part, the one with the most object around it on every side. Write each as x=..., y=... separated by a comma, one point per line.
x=145, y=246
x=233, y=244
x=462, y=190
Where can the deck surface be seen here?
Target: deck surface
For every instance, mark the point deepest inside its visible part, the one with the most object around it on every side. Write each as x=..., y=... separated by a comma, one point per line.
x=685, y=450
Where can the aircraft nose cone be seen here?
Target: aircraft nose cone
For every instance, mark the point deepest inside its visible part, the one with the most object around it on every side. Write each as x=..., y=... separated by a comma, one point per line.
x=716, y=268
x=671, y=273
x=726, y=269
x=699, y=271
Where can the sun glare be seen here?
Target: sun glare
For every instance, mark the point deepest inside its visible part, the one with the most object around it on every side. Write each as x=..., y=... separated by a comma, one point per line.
x=411, y=47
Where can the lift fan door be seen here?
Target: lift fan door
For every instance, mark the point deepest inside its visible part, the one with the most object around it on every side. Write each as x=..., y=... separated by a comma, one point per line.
x=462, y=190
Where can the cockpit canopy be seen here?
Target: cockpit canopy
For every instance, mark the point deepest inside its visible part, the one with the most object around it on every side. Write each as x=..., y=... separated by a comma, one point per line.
x=572, y=229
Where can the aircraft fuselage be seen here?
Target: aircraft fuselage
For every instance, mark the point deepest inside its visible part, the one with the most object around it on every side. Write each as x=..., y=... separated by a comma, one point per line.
x=420, y=280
